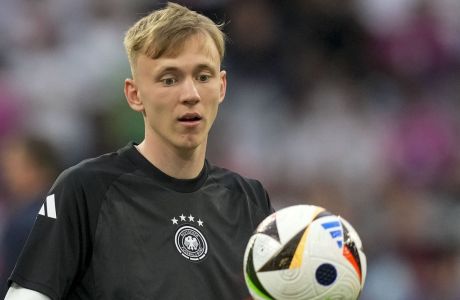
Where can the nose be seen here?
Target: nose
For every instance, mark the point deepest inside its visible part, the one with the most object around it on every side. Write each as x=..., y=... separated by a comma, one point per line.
x=190, y=93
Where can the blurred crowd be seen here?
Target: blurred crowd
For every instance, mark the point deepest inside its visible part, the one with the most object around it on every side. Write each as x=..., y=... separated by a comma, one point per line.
x=353, y=105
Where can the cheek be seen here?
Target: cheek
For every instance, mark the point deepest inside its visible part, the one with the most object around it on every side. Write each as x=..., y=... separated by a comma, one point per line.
x=158, y=114
x=212, y=93
x=213, y=108
x=152, y=106
x=155, y=113
x=216, y=102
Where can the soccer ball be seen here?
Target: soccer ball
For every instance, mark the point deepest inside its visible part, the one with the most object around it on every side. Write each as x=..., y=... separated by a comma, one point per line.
x=305, y=252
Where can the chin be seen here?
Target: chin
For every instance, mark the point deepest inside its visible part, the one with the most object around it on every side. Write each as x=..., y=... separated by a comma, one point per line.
x=191, y=141
x=190, y=144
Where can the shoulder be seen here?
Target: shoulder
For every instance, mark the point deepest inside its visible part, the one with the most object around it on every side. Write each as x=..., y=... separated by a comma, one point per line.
x=85, y=184
x=247, y=189
x=232, y=179
x=97, y=170
x=237, y=183
x=79, y=191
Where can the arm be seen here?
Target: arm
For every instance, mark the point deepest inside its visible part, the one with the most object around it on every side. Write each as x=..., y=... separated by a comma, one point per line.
x=17, y=292
x=58, y=245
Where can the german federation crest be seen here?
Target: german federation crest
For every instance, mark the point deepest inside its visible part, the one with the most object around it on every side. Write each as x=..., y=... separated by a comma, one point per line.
x=189, y=241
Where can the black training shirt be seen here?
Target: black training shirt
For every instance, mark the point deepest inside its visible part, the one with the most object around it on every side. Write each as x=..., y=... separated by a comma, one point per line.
x=116, y=227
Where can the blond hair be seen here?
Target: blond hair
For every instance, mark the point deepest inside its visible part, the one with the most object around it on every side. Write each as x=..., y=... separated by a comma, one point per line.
x=164, y=31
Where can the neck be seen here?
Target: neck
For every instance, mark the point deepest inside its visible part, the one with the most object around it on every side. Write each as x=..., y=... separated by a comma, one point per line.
x=177, y=163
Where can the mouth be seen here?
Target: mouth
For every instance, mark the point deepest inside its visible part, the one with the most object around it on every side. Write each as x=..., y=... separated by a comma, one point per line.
x=190, y=118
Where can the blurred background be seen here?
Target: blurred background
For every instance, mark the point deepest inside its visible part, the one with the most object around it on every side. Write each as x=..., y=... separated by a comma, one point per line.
x=353, y=105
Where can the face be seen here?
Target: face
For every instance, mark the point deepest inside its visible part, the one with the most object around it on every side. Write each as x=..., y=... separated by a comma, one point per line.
x=178, y=95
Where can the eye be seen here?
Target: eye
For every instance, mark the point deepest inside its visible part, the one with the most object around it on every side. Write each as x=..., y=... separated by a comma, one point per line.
x=169, y=81
x=203, y=77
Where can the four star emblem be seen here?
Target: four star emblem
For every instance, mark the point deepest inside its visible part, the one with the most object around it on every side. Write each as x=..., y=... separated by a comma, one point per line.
x=183, y=218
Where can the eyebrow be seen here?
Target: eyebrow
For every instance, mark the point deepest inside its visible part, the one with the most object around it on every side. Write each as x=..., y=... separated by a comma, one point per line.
x=206, y=67
x=199, y=67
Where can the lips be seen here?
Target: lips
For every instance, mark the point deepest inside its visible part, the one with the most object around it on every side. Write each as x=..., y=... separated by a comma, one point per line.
x=190, y=117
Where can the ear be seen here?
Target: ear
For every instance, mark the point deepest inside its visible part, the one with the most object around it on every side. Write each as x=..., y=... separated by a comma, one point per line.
x=132, y=95
x=223, y=85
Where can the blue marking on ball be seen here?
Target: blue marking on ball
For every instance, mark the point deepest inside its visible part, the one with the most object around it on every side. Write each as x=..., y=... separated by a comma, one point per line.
x=326, y=274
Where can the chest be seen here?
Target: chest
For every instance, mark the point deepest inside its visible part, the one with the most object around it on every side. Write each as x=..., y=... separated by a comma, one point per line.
x=147, y=236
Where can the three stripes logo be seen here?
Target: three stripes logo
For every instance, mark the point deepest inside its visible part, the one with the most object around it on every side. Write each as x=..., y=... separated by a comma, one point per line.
x=48, y=208
x=335, y=230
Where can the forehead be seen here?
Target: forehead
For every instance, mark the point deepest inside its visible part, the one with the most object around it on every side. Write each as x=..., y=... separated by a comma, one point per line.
x=196, y=49
x=199, y=43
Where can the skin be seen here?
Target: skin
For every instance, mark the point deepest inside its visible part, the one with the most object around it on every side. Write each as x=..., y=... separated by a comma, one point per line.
x=167, y=91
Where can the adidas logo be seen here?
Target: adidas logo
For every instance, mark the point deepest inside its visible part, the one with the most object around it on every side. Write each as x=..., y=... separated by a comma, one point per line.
x=48, y=208
x=335, y=230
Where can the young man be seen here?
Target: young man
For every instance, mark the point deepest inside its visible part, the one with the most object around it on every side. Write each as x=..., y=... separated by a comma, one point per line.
x=154, y=220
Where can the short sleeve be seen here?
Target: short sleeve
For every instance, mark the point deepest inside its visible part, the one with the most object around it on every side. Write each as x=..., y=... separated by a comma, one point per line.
x=264, y=200
x=59, y=245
